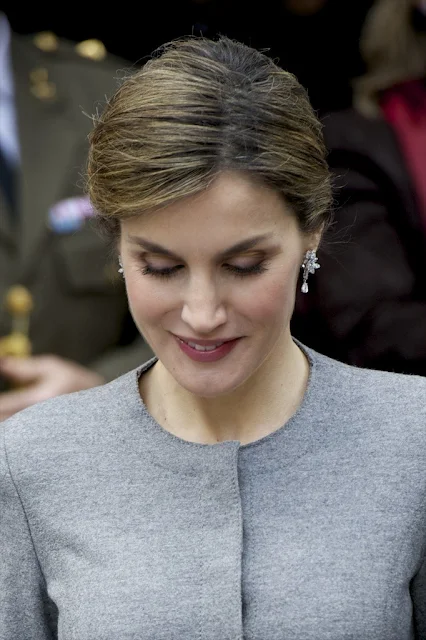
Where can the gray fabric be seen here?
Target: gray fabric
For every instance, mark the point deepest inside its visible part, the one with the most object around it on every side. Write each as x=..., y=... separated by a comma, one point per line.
x=113, y=529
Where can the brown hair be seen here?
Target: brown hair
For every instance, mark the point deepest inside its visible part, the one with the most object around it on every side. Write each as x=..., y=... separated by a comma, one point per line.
x=199, y=107
x=392, y=50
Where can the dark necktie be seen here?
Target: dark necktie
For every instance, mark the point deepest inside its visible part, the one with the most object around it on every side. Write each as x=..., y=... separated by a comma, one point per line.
x=7, y=182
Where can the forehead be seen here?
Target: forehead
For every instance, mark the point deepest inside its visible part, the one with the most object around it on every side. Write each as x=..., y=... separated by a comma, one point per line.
x=231, y=208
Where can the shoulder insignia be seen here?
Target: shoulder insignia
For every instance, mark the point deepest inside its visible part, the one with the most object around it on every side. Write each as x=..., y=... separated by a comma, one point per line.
x=46, y=41
x=92, y=49
x=41, y=87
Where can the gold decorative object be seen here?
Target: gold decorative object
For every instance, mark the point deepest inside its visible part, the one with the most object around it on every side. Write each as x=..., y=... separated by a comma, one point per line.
x=41, y=87
x=19, y=304
x=92, y=49
x=46, y=41
x=39, y=74
x=45, y=91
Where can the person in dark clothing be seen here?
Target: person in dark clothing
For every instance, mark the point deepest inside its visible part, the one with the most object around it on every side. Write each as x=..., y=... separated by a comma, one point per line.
x=368, y=304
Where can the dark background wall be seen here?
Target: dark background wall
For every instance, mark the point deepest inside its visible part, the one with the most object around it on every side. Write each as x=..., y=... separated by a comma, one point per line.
x=322, y=49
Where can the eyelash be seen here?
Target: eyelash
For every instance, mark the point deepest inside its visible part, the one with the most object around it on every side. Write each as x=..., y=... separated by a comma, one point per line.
x=236, y=271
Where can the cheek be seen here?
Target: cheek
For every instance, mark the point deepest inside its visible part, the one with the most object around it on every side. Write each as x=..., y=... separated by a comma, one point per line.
x=271, y=297
x=148, y=300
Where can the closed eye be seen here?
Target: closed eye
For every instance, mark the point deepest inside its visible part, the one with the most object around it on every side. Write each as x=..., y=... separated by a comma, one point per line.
x=254, y=269
x=168, y=272
x=165, y=272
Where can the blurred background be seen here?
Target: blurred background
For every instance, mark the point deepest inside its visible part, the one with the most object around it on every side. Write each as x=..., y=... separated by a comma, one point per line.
x=315, y=39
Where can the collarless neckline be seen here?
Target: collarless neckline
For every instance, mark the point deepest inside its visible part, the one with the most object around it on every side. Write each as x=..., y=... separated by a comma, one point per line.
x=291, y=439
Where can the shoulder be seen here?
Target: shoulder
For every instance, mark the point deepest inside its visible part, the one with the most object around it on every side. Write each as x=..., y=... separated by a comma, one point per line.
x=372, y=381
x=86, y=63
x=375, y=422
x=91, y=53
x=349, y=129
x=370, y=399
x=365, y=154
x=68, y=421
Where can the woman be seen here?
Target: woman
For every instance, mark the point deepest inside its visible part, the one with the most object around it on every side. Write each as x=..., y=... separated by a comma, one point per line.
x=370, y=299
x=238, y=485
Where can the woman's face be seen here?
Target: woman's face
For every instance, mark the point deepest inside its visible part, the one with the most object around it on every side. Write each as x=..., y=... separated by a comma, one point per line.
x=211, y=282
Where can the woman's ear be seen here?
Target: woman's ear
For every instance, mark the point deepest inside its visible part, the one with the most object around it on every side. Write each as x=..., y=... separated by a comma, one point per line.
x=314, y=240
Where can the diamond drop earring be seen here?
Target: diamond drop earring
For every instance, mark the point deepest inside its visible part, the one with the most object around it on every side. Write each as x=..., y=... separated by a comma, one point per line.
x=120, y=270
x=310, y=265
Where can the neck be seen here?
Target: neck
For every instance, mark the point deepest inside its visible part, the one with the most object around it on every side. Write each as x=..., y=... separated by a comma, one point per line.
x=258, y=407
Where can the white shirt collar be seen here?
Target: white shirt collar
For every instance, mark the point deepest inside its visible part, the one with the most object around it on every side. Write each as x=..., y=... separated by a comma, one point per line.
x=6, y=78
x=9, y=138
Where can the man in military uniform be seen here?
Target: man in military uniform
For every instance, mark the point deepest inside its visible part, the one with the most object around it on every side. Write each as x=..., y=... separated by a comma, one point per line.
x=68, y=319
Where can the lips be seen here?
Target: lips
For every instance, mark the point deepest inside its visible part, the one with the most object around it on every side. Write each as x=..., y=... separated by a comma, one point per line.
x=195, y=344
x=200, y=347
x=206, y=351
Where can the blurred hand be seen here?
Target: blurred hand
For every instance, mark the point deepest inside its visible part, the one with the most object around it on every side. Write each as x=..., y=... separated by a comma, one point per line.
x=41, y=377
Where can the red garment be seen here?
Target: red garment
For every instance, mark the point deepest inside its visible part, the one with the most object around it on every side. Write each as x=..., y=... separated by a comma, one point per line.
x=404, y=108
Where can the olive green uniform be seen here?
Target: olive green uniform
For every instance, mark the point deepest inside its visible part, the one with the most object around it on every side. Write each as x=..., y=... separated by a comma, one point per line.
x=80, y=307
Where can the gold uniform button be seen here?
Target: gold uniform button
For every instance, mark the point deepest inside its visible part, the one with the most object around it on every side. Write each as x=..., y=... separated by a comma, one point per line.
x=46, y=41
x=92, y=49
x=39, y=74
x=41, y=87
x=44, y=91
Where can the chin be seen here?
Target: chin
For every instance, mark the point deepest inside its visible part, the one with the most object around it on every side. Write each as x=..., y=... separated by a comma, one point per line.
x=211, y=384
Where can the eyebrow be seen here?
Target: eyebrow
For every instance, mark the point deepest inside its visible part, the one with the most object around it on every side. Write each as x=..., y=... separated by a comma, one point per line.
x=240, y=247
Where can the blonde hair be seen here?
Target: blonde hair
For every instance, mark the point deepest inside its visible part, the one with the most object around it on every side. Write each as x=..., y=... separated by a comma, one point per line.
x=392, y=51
x=199, y=107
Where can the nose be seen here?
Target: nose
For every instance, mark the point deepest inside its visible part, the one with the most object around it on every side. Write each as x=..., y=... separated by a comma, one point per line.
x=203, y=309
